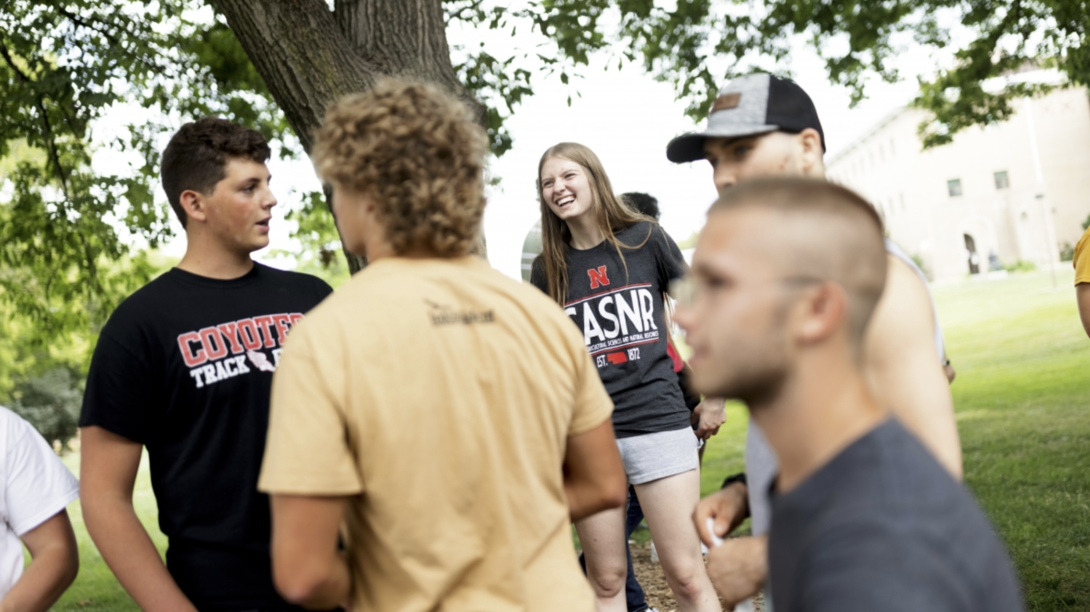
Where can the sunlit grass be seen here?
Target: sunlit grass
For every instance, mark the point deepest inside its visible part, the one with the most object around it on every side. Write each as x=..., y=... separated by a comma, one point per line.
x=1022, y=397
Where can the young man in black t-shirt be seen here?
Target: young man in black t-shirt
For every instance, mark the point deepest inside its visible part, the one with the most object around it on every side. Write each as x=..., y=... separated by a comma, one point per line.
x=786, y=277
x=184, y=368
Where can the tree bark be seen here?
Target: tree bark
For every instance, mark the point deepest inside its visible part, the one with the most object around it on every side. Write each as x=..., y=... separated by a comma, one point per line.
x=310, y=57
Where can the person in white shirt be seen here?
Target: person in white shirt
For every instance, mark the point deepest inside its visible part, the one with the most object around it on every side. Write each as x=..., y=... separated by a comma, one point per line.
x=35, y=489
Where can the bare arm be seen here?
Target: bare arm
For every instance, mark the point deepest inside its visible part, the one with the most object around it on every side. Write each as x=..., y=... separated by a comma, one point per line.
x=738, y=568
x=307, y=567
x=107, y=475
x=905, y=374
x=55, y=562
x=1082, y=295
x=594, y=479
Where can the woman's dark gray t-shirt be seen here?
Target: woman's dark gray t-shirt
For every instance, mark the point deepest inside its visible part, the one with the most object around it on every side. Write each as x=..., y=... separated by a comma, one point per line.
x=618, y=306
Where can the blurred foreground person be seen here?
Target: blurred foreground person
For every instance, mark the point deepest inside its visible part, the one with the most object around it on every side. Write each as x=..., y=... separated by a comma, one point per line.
x=449, y=416
x=35, y=488
x=184, y=368
x=763, y=126
x=786, y=275
x=1081, y=261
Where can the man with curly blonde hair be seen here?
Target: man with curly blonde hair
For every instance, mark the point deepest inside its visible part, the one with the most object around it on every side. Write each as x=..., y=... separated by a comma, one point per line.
x=431, y=403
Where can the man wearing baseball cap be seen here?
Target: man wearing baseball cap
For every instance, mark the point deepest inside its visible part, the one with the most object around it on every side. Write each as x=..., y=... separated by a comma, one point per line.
x=760, y=126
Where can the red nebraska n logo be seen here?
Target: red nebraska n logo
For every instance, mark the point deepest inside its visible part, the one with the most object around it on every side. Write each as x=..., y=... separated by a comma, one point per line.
x=598, y=277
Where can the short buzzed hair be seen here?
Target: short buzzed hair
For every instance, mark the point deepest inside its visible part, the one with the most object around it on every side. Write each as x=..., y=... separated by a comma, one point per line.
x=197, y=155
x=829, y=233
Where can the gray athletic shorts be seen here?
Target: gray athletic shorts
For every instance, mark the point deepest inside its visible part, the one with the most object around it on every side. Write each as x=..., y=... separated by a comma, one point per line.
x=658, y=455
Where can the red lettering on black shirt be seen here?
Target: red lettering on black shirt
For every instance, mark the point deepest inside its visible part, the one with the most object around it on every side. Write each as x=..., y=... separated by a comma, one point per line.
x=598, y=277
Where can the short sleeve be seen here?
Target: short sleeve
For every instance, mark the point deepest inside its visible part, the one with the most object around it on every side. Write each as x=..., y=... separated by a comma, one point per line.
x=672, y=261
x=119, y=395
x=1082, y=259
x=36, y=484
x=321, y=289
x=307, y=452
x=593, y=405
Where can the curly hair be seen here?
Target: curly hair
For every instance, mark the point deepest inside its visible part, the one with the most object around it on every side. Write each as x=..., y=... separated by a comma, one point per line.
x=196, y=157
x=418, y=154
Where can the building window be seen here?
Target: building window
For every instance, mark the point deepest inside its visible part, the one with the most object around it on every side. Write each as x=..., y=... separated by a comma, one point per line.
x=1002, y=181
x=954, y=187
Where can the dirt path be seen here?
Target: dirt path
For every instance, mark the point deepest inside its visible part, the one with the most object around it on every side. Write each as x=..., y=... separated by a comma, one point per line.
x=654, y=582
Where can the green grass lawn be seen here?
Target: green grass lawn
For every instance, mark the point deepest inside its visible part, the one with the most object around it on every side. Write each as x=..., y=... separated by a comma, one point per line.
x=1022, y=394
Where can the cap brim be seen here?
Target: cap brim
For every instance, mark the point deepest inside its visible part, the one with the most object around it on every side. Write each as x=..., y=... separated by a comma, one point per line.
x=690, y=147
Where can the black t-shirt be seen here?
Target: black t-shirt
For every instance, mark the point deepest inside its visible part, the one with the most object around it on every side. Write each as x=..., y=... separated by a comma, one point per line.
x=184, y=366
x=884, y=527
x=618, y=306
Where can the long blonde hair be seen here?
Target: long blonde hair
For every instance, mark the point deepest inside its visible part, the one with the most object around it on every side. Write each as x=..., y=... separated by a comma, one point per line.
x=610, y=211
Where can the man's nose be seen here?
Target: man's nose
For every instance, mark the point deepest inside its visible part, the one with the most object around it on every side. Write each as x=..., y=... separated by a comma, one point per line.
x=725, y=177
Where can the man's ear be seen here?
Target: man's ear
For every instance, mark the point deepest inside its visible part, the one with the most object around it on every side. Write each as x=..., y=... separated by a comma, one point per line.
x=813, y=162
x=193, y=204
x=822, y=312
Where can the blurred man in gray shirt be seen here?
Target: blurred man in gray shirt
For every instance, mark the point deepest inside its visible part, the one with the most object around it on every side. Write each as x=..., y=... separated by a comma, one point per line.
x=785, y=278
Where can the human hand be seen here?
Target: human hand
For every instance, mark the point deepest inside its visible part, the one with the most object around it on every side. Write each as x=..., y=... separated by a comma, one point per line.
x=709, y=416
x=948, y=369
x=727, y=508
x=738, y=568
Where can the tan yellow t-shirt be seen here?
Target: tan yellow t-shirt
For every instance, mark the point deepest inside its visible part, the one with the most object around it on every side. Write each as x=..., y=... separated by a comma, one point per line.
x=441, y=394
x=1081, y=261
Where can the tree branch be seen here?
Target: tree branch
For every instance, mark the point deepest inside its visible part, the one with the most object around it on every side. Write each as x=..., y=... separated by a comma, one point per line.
x=47, y=128
x=458, y=14
x=304, y=58
x=110, y=36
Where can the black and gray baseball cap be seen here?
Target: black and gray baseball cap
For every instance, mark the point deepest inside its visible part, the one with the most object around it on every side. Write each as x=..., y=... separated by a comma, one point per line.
x=749, y=105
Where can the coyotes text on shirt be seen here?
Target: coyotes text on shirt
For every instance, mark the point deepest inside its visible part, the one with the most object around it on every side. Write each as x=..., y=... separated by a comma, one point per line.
x=205, y=351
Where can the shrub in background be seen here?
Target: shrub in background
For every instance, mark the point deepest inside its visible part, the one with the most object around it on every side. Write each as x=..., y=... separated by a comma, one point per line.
x=1067, y=252
x=50, y=401
x=1020, y=266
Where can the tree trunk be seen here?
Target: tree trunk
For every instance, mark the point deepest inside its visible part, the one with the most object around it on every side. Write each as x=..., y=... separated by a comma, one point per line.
x=310, y=57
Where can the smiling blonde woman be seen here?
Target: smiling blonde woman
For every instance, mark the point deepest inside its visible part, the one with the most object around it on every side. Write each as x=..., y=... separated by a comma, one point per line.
x=609, y=267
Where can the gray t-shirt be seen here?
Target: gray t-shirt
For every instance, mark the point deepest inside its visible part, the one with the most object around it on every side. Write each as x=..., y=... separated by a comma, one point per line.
x=884, y=527
x=618, y=306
